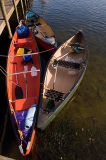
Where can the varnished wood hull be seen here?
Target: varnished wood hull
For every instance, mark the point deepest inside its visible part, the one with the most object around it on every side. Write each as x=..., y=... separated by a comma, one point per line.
x=49, y=47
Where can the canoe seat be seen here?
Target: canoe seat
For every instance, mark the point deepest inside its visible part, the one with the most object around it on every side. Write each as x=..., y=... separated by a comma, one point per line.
x=23, y=104
x=67, y=64
x=54, y=95
x=77, y=47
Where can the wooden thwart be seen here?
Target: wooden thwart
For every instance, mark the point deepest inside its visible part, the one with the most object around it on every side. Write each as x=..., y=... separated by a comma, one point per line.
x=67, y=64
x=53, y=95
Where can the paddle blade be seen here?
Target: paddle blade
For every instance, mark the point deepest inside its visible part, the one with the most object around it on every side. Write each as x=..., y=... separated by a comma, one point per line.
x=18, y=92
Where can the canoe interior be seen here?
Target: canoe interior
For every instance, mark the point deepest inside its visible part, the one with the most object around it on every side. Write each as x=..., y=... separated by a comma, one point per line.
x=60, y=79
x=44, y=30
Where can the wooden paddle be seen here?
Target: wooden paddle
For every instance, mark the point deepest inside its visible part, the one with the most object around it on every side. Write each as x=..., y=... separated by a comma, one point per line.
x=18, y=89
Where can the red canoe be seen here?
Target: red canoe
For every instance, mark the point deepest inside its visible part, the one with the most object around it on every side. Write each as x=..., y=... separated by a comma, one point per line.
x=23, y=86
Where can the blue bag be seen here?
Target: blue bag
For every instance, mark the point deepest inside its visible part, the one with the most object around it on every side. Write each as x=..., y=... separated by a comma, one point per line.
x=22, y=31
x=27, y=58
x=30, y=14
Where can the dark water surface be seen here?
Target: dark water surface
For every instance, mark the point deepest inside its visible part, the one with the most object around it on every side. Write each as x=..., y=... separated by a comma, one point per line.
x=79, y=131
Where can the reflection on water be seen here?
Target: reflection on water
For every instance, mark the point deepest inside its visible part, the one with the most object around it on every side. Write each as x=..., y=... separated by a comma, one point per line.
x=43, y=6
x=79, y=131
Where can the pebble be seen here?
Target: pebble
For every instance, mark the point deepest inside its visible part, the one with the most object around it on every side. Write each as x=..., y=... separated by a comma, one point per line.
x=82, y=129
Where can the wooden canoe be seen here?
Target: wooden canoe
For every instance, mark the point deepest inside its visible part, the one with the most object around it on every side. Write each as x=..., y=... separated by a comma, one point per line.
x=63, y=75
x=23, y=86
x=43, y=33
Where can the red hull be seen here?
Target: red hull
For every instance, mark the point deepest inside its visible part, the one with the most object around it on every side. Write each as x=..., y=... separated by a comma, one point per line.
x=50, y=48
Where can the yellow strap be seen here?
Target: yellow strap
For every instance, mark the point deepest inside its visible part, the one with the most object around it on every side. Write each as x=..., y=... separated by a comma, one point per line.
x=20, y=132
x=29, y=52
x=20, y=51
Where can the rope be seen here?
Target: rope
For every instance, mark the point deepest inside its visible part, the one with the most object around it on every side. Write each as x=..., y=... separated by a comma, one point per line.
x=5, y=74
x=58, y=58
x=22, y=72
x=27, y=54
x=20, y=132
x=18, y=124
x=19, y=128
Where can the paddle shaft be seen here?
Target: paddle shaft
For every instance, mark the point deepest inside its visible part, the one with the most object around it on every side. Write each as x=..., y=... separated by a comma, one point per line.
x=18, y=89
x=16, y=74
x=55, y=76
x=25, y=76
x=26, y=85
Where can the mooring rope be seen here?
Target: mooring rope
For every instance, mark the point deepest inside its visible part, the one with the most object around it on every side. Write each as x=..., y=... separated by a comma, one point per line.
x=18, y=123
x=6, y=56
x=6, y=75
x=10, y=74
x=19, y=128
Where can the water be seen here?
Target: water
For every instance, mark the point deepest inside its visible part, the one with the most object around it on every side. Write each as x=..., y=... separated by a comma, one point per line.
x=79, y=131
